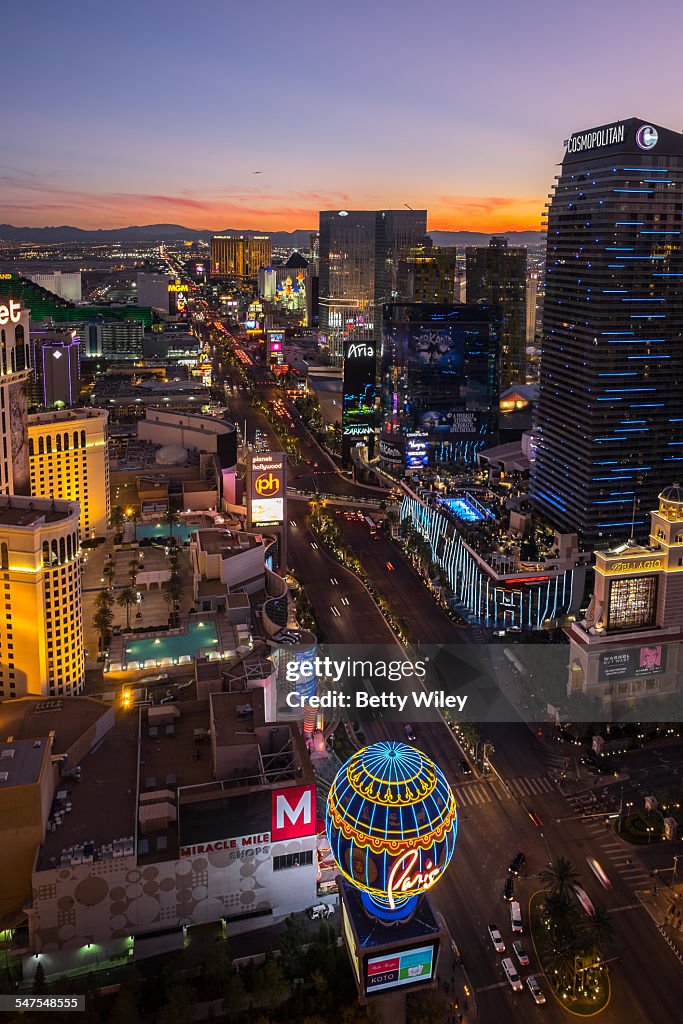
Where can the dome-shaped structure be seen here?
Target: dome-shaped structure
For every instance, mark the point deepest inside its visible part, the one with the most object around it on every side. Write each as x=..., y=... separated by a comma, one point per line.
x=391, y=823
x=672, y=493
x=171, y=455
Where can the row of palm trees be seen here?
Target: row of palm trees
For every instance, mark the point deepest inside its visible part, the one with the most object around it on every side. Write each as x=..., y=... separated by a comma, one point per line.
x=578, y=940
x=128, y=597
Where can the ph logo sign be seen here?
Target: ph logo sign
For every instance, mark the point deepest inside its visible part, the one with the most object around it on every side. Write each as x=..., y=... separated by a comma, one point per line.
x=267, y=485
x=11, y=313
x=293, y=813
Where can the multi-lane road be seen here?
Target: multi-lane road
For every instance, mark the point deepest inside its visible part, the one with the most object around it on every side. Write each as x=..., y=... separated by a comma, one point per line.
x=494, y=812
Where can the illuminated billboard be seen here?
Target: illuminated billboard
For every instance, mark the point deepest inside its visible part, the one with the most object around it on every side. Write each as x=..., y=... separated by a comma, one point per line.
x=358, y=403
x=407, y=967
x=246, y=824
x=267, y=488
x=633, y=663
x=416, y=449
x=276, y=347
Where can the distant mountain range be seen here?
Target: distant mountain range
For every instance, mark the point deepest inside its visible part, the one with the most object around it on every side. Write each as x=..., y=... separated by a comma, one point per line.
x=178, y=233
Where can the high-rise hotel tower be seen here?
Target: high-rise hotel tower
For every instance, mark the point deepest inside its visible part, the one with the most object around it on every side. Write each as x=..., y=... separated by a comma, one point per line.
x=610, y=410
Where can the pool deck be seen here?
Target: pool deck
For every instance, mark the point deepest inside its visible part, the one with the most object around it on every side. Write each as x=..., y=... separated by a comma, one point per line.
x=226, y=647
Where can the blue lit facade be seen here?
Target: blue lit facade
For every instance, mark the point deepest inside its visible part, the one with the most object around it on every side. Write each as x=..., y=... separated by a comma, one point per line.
x=527, y=598
x=391, y=822
x=610, y=410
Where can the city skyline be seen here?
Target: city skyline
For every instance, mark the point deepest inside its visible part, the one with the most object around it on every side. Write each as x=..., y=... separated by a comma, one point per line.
x=225, y=120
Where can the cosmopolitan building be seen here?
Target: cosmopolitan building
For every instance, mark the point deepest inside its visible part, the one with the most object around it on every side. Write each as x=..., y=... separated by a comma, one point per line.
x=610, y=410
x=629, y=645
x=439, y=384
x=489, y=588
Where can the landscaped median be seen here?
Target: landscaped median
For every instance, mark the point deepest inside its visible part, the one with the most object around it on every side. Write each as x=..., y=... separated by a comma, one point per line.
x=577, y=982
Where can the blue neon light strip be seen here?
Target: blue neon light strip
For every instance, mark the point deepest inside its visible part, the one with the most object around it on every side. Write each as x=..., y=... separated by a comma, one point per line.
x=646, y=191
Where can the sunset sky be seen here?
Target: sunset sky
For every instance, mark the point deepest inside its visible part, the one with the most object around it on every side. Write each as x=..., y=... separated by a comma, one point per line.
x=145, y=112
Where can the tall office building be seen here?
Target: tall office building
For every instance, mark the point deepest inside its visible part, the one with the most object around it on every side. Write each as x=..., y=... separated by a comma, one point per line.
x=496, y=274
x=237, y=256
x=610, y=410
x=15, y=373
x=259, y=253
x=358, y=261
x=152, y=290
x=228, y=256
x=41, y=628
x=56, y=360
x=428, y=273
x=69, y=460
x=439, y=384
x=115, y=340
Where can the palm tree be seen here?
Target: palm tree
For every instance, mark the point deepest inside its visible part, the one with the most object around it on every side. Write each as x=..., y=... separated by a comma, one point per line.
x=103, y=618
x=173, y=592
x=560, y=878
x=563, y=964
x=599, y=931
x=116, y=517
x=126, y=599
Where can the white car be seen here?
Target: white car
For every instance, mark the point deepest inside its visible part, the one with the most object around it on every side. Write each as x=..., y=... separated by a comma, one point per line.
x=511, y=974
x=515, y=916
x=496, y=939
x=537, y=993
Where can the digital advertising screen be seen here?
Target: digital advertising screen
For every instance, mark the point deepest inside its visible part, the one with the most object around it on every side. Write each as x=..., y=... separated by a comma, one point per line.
x=358, y=405
x=266, y=490
x=408, y=967
x=633, y=663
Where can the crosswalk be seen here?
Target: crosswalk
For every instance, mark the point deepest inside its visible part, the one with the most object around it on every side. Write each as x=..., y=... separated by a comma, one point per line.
x=469, y=794
x=617, y=856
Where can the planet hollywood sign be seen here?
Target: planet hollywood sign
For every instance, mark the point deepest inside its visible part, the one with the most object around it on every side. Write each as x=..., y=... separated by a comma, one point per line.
x=10, y=313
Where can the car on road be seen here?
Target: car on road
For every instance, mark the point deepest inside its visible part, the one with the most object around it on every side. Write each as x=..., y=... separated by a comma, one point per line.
x=390, y=567
x=535, y=818
x=517, y=863
x=515, y=916
x=410, y=733
x=537, y=993
x=496, y=938
x=509, y=889
x=320, y=910
x=599, y=872
x=465, y=768
x=511, y=974
x=521, y=953
x=584, y=899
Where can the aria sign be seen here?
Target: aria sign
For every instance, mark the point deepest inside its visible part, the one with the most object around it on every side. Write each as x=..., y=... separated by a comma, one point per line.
x=359, y=349
x=10, y=313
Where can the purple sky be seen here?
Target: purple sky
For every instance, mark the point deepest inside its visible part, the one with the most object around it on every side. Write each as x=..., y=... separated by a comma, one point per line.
x=126, y=113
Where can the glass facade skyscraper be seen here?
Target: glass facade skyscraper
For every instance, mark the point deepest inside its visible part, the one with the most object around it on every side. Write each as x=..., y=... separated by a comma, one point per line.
x=497, y=274
x=609, y=426
x=439, y=384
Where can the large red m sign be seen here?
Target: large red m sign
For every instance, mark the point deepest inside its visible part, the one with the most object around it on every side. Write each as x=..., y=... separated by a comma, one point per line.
x=293, y=813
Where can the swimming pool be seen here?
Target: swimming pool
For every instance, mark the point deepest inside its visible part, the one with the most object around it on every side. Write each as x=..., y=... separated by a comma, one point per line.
x=160, y=531
x=466, y=510
x=174, y=649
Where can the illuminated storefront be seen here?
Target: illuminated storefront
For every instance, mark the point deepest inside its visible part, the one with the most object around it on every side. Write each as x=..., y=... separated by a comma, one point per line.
x=522, y=598
x=629, y=644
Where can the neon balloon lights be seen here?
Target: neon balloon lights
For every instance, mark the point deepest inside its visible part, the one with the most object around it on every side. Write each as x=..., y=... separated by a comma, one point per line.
x=391, y=822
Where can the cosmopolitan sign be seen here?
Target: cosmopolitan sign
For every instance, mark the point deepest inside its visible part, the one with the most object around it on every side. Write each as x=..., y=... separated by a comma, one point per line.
x=595, y=139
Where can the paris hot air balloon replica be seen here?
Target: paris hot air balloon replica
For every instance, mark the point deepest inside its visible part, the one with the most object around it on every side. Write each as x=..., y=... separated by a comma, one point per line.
x=391, y=823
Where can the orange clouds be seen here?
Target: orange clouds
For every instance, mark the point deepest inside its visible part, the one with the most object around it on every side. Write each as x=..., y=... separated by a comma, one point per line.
x=28, y=201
